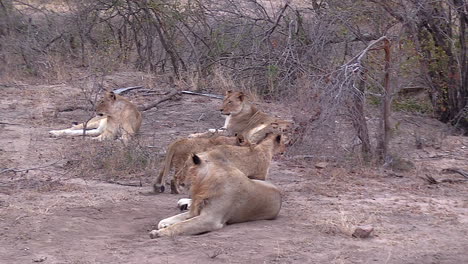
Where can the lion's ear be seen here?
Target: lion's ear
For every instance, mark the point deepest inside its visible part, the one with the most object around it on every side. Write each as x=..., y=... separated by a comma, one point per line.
x=196, y=160
x=240, y=140
x=241, y=96
x=228, y=92
x=111, y=95
x=278, y=138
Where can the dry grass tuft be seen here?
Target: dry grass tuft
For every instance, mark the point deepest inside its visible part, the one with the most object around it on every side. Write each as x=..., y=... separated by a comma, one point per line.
x=112, y=160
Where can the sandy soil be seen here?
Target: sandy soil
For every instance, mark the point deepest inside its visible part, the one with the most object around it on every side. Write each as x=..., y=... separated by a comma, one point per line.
x=50, y=214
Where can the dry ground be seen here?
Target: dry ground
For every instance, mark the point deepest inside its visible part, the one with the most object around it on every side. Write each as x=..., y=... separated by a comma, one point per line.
x=51, y=214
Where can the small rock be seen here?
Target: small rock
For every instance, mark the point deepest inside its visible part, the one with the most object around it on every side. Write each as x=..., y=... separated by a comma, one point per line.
x=40, y=259
x=363, y=231
x=321, y=165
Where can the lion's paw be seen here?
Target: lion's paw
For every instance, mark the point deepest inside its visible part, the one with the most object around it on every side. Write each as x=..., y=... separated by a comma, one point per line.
x=154, y=234
x=162, y=224
x=56, y=133
x=195, y=135
x=184, y=204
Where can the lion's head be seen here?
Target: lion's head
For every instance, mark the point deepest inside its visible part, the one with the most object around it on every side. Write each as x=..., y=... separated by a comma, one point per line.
x=233, y=103
x=104, y=107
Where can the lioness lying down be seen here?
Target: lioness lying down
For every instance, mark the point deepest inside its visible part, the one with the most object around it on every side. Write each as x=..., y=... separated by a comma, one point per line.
x=244, y=119
x=180, y=150
x=222, y=195
x=117, y=117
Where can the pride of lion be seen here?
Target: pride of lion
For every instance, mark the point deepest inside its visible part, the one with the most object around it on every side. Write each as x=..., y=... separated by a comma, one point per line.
x=226, y=178
x=224, y=169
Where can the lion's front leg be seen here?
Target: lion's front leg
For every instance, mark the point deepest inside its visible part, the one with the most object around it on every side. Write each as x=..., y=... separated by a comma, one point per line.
x=226, y=123
x=93, y=123
x=106, y=135
x=196, y=225
x=173, y=220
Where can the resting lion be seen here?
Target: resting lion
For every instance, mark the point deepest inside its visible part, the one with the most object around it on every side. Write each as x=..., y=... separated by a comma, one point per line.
x=222, y=195
x=178, y=152
x=117, y=117
x=253, y=161
x=244, y=119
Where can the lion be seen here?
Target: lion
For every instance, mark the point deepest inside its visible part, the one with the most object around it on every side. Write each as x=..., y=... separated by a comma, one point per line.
x=178, y=152
x=116, y=117
x=254, y=161
x=222, y=194
x=242, y=118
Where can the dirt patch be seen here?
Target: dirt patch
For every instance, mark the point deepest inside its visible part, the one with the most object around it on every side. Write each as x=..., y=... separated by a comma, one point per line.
x=50, y=214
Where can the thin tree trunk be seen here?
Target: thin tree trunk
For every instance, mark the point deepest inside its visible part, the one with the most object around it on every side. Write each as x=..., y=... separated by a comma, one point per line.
x=359, y=120
x=386, y=107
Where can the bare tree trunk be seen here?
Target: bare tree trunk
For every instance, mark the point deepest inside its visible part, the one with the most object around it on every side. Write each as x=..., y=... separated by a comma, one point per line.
x=382, y=148
x=359, y=120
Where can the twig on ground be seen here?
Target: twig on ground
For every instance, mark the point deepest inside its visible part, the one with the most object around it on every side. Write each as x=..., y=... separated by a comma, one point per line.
x=126, y=184
x=204, y=94
x=201, y=116
x=28, y=169
x=8, y=123
x=126, y=89
x=431, y=180
x=154, y=104
x=456, y=170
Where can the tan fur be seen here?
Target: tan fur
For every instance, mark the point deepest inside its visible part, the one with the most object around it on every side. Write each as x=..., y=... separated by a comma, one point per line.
x=222, y=195
x=253, y=161
x=245, y=119
x=117, y=117
x=178, y=152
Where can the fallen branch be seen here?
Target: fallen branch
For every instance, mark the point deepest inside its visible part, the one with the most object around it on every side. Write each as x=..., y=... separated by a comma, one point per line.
x=123, y=90
x=431, y=180
x=154, y=104
x=28, y=169
x=11, y=124
x=127, y=184
x=456, y=170
x=204, y=94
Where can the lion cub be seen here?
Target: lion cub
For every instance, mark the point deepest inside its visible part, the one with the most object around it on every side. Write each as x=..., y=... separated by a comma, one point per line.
x=244, y=119
x=253, y=161
x=222, y=194
x=178, y=152
x=117, y=117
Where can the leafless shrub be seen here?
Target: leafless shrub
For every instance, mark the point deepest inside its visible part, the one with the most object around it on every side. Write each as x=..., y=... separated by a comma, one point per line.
x=286, y=50
x=112, y=160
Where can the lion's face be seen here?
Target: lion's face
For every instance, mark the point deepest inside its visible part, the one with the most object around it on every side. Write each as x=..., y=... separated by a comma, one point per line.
x=104, y=106
x=191, y=168
x=280, y=141
x=233, y=103
x=285, y=128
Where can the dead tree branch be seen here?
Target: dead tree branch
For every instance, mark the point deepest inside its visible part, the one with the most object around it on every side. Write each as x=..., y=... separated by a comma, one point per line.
x=127, y=184
x=432, y=180
x=154, y=104
x=126, y=89
x=456, y=170
x=28, y=169
x=204, y=94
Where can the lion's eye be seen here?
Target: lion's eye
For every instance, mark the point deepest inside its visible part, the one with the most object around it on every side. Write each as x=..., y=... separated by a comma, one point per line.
x=229, y=102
